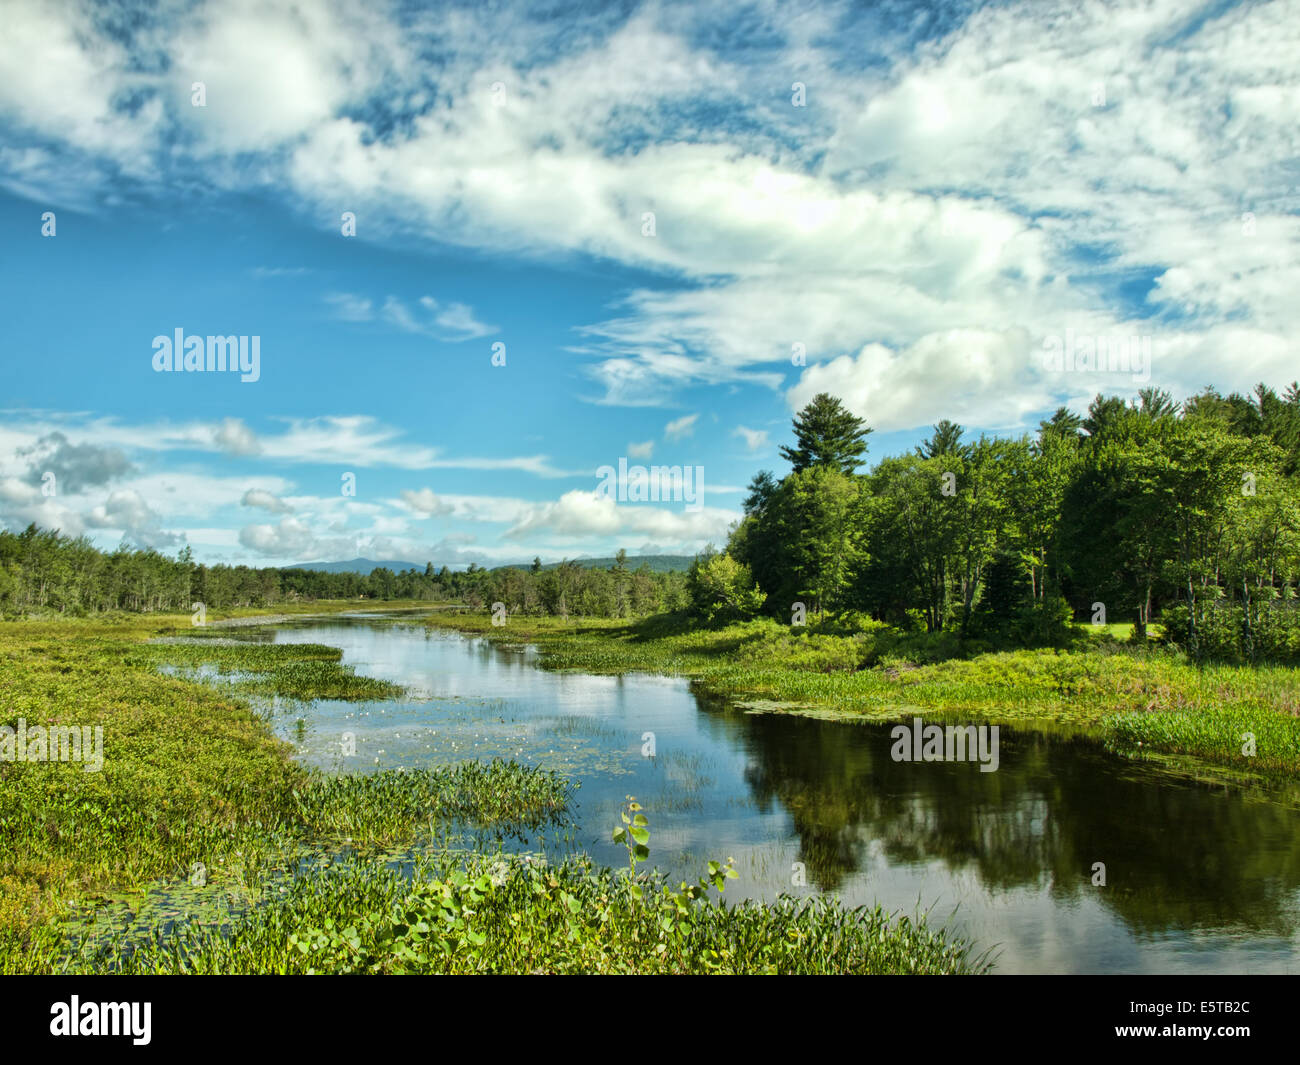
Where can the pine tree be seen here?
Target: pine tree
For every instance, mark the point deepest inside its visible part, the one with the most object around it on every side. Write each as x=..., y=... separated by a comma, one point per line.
x=827, y=434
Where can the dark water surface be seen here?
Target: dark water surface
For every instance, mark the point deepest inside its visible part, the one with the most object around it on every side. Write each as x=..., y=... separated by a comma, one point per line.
x=1199, y=878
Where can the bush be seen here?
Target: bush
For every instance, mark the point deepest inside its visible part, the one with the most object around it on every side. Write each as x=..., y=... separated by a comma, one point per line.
x=1048, y=622
x=722, y=589
x=1220, y=631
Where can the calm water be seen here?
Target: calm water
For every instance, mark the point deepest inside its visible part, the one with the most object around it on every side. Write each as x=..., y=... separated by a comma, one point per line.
x=1199, y=879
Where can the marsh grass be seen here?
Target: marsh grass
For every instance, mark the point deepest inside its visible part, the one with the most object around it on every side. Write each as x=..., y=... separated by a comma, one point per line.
x=291, y=670
x=512, y=914
x=191, y=774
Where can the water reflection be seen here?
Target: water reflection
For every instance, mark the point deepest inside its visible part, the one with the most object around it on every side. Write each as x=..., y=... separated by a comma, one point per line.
x=1198, y=878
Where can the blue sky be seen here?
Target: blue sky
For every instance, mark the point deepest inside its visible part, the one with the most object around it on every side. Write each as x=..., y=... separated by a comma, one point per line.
x=916, y=197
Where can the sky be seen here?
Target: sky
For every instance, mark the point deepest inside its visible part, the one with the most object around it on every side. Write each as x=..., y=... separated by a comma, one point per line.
x=485, y=250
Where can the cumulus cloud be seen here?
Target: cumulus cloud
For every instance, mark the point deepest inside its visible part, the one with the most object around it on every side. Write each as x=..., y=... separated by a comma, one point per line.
x=291, y=538
x=973, y=375
x=428, y=504
x=257, y=497
x=583, y=515
x=75, y=466
x=126, y=509
x=755, y=439
x=235, y=438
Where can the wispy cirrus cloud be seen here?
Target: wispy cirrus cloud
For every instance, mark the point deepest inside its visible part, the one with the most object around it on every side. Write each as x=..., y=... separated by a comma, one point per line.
x=451, y=322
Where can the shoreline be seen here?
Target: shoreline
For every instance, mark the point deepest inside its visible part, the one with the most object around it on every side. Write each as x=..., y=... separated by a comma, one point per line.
x=579, y=644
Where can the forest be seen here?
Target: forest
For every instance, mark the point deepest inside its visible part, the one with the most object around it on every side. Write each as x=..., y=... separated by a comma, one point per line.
x=1135, y=512
x=45, y=572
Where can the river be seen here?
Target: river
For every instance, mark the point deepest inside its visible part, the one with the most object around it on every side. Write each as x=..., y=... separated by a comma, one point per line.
x=1199, y=878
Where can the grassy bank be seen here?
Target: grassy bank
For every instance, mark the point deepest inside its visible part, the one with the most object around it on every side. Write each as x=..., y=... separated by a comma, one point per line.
x=1140, y=700
x=191, y=774
x=293, y=670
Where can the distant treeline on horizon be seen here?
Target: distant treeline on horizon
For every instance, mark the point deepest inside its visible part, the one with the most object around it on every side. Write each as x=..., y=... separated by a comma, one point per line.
x=42, y=570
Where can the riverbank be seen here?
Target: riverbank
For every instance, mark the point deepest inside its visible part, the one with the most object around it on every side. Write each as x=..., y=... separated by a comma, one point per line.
x=1236, y=723
x=193, y=778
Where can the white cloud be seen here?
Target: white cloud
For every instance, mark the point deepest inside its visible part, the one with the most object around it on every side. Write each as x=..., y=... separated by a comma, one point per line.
x=428, y=504
x=451, y=322
x=966, y=185
x=291, y=538
x=349, y=307
x=680, y=428
x=755, y=439
x=973, y=376
x=456, y=321
x=235, y=438
x=591, y=515
x=127, y=511
x=256, y=497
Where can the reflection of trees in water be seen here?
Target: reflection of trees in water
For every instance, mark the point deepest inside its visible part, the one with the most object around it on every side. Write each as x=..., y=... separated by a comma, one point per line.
x=1177, y=855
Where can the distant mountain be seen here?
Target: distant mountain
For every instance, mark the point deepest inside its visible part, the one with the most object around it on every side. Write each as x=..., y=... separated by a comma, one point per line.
x=357, y=565
x=657, y=563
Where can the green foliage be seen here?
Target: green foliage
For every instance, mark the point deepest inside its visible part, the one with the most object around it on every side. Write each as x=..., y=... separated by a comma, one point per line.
x=295, y=671
x=1213, y=734
x=827, y=434
x=43, y=572
x=1135, y=506
x=1221, y=631
x=519, y=914
x=722, y=589
x=190, y=774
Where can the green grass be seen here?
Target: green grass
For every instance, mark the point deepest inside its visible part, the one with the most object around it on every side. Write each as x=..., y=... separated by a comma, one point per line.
x=519, y=915
x=190, y=774
x=295, y=671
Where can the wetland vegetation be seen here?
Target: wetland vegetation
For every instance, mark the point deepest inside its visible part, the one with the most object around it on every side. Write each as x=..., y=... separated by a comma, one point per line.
x=195, y=778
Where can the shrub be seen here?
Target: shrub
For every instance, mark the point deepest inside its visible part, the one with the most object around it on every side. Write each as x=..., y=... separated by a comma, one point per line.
x=722, y=589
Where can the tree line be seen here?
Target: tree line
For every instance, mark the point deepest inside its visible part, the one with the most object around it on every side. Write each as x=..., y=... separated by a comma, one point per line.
x=1135, y=511
x=44, y=571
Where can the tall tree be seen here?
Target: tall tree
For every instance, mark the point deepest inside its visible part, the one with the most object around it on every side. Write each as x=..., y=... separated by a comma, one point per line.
x=827, y=434
x=1063, y=423
x=945, y=440
x=760, y=491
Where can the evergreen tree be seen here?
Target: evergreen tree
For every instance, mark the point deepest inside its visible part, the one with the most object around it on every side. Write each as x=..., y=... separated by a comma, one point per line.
x=827, y=434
